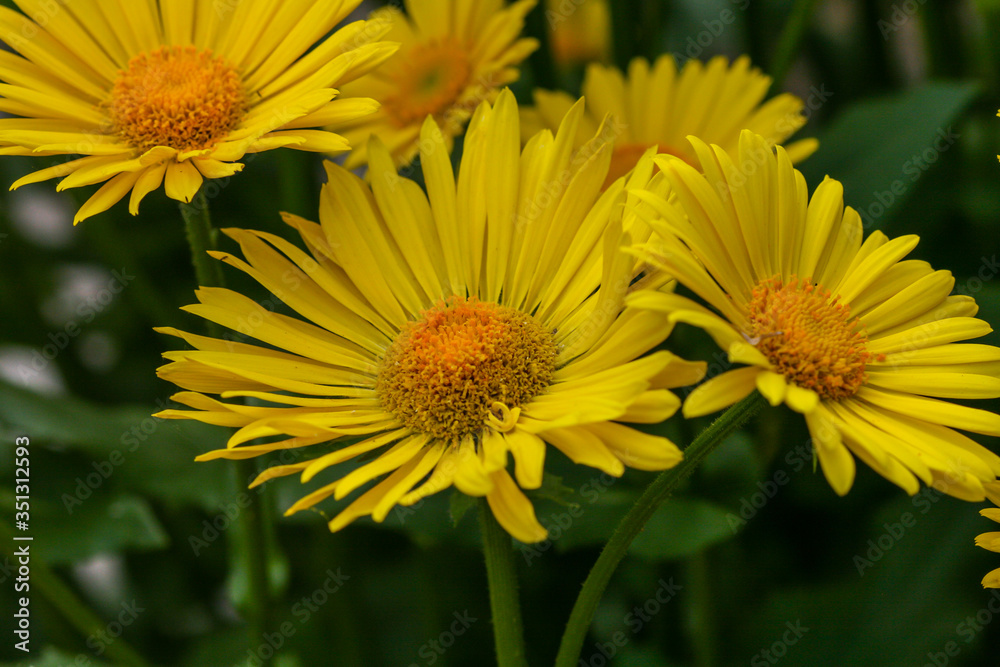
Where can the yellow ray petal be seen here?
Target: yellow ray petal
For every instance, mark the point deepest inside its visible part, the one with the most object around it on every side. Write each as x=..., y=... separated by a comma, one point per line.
x=721, y=391
x=513, y=510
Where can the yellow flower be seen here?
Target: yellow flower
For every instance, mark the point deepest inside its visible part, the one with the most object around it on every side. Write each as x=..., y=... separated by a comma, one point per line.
x=442, y=331
x=579, y=32
x=174, y=92
x=844, y=332
x=660, y=106
x=455, y=54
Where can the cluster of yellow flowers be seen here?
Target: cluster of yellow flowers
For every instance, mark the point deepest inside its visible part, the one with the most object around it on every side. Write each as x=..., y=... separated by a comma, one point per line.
x=508, y=306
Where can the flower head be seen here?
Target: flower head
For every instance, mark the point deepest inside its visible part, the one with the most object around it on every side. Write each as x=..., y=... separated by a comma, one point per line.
x=439, y=333
x=660, y=106
x=858, y=340
x=174, y=93
x=580, y=32
x=454, y=54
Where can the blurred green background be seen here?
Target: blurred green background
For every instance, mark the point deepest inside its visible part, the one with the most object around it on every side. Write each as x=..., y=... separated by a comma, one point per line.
x=758, y=562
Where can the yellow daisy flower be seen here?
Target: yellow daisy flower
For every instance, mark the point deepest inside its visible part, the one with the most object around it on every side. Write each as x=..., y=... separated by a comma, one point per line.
x=859, y=341
x=580, y=33
x=454, y=55
x=660, y=106
x=175, y=92
x=442, y=331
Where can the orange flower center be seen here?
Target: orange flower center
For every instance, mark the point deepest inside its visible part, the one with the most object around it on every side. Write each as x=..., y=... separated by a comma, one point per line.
x=463, y=364
x=429, y=80
x=177, y=96
x=809, y=336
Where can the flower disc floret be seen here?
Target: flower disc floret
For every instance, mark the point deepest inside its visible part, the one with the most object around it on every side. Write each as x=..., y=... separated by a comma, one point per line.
x=177, y=96
x=446, y=372
x=809, y=336
x=429, y=83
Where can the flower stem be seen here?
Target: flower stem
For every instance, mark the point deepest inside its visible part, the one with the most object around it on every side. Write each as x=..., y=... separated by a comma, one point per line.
x=252, y=535
x=66, y=601
x=632, y=524
x=201, y=238
x=501, y=574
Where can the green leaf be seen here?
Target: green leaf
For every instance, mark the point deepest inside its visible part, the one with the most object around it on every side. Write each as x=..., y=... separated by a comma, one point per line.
x=553, y=489
x=906, y=589
x=880, y=148
x=77, y=513
x=151, y=456
x=99, y=525
x=680, y=528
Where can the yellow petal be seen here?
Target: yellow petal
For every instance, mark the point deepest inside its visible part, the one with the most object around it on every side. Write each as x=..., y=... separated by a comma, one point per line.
x=529, y=457
x=109, y=194
x=773, y=387
x=513, y=510
x=635, y=448
x=721, y=391
x=584, y=447
x=182, y=181
x=800, y=399
x=834, y=458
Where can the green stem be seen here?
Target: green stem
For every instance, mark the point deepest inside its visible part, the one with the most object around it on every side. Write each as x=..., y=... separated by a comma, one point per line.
x=201, y=238
x=632, y=524
x=65, y=600
x=294, y=179
x=790, y=40
x=501, y=574
x=208, y=272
